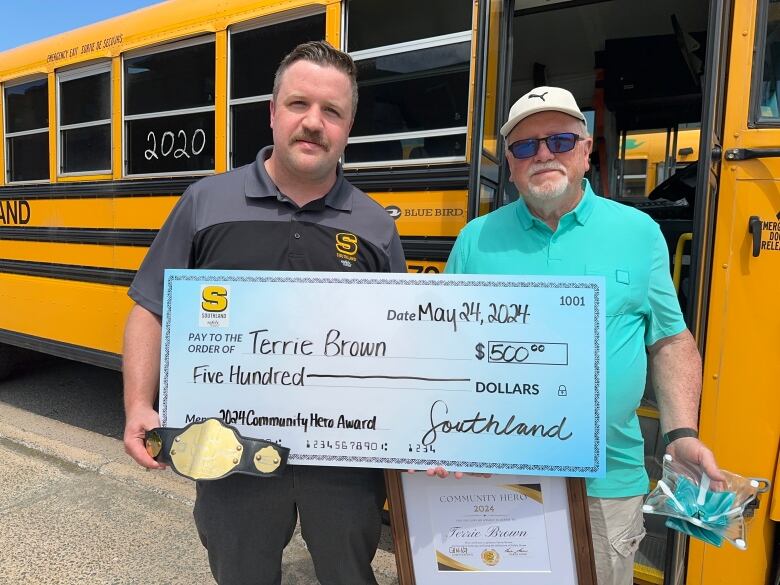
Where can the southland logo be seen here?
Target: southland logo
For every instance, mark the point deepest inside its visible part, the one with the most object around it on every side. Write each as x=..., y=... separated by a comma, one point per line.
x=346, y=248
x=14, y=212
x=393, y=211
x=214, y=306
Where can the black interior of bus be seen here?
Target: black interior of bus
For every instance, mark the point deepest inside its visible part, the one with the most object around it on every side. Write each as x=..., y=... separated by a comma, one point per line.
x=639, y=67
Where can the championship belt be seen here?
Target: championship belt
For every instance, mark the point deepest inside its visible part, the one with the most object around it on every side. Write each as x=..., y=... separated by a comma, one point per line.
x=210, y=449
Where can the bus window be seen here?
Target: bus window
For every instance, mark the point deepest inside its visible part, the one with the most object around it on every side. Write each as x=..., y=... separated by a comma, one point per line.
x=495, y=59
x=84, y=117
x=169, y=109
x=634, y=177
x=27, y=131
x=487, y=198
x=413, y=75
x=255, y=54
x=769, y=108
x=378, y=23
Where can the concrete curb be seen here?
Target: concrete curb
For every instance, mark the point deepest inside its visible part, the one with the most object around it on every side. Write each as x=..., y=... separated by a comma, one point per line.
x=90, y=451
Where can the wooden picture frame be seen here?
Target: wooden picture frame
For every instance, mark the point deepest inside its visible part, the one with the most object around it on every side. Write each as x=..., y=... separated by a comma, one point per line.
x=582, y=562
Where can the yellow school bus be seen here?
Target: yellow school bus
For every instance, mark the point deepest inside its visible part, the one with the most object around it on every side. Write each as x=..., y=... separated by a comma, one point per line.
x=102, y=129
x=649, y=158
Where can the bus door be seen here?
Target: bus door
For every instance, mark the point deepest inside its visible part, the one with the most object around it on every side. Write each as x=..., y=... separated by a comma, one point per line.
x=634, y=66
x=492, y=74
x=696, y=295
x=740, y=414
x=409, y=145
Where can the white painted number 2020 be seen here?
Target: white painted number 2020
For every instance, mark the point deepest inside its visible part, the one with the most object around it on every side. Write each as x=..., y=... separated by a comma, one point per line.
x=175, y=144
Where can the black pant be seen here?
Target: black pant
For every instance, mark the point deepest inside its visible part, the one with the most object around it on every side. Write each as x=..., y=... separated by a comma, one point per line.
x=245, y=522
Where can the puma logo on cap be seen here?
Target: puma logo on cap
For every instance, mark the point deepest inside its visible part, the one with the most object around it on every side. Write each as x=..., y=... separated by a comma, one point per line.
x=542, y=99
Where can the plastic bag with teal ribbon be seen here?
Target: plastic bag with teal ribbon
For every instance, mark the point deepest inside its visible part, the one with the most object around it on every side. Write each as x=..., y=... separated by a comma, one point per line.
x=683, y=494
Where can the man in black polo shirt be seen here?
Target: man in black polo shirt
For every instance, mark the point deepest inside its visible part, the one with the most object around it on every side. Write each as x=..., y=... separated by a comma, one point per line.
x=289, y=210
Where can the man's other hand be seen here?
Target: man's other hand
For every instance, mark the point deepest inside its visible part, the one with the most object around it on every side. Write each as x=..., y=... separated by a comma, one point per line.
x=693, y=452
x=138, y=422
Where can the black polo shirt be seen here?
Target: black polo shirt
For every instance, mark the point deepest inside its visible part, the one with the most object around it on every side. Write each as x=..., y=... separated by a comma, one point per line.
x=239, y=220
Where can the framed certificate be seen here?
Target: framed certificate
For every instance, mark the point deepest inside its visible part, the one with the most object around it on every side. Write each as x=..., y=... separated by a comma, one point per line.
x=506, y=529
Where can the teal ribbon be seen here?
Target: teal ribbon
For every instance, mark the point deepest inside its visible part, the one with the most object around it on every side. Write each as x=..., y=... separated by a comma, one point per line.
x=704, y=514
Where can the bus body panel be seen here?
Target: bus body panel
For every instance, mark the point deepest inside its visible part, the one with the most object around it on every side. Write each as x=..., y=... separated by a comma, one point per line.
x=740, y=410
x=142, y=28
x=429, y=213
x=740, y=414
x=85, y=314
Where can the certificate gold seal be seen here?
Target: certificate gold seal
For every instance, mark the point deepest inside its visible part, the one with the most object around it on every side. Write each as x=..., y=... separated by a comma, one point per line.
x=490, y=557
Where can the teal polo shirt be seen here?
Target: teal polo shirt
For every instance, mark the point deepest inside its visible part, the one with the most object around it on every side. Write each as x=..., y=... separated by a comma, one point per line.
x=625, y=246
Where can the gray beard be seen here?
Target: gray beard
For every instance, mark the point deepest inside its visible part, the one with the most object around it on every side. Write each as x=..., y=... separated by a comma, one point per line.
x=546, y=200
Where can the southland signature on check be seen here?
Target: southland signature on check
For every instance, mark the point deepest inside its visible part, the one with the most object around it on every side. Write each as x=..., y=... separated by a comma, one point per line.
x=476, y=373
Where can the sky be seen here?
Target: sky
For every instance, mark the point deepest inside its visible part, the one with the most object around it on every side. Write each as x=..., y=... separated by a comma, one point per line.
x=25, y=21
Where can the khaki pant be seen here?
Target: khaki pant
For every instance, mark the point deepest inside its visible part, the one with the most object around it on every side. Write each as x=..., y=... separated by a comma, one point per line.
x=618, y=527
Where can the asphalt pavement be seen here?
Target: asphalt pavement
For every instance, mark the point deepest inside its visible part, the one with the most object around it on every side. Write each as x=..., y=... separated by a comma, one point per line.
x=74, y=509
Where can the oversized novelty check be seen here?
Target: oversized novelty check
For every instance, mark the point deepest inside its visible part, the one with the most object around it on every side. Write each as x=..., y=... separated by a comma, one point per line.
x=479, y=373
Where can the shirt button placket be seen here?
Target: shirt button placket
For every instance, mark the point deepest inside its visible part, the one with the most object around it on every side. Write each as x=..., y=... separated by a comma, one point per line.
x=552, y=253
x=296, y=236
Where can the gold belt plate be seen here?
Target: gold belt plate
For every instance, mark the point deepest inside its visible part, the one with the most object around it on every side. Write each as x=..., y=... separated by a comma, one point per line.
x=206, y=451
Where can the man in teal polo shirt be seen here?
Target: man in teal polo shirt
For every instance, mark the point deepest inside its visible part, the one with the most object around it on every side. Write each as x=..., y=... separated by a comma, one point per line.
x=559, y=226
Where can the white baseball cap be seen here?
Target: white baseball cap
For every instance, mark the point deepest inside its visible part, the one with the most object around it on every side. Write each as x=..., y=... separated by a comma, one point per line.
x=542, y=99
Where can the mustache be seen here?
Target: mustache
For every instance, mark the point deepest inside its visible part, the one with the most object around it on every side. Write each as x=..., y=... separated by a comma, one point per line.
x=547, y=166
x=308, y=136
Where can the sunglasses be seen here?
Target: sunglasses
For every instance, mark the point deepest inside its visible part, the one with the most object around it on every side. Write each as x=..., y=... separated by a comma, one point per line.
x=557, y=143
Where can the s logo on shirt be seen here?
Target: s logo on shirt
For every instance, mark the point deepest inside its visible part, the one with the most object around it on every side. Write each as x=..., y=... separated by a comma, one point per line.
x=346, y=246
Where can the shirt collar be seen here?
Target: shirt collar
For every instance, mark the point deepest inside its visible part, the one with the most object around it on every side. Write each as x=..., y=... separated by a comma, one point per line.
x=580, y=213
x=258, y=184
x=585, y=206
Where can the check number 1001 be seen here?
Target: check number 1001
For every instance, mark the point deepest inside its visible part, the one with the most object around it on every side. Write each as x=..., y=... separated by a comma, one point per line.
x=572, y=301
